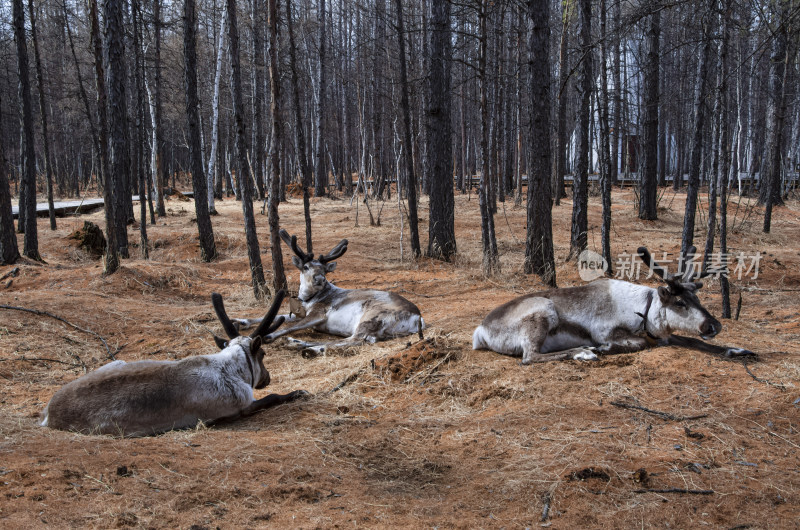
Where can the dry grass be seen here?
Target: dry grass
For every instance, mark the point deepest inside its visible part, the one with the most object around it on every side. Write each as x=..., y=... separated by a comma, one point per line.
x=416, y=433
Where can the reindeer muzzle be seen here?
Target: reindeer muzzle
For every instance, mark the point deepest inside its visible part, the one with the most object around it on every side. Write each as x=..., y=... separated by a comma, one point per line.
x=710, y=328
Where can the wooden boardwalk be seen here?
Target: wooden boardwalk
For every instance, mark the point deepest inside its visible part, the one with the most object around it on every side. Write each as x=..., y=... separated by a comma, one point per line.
x=75, y=207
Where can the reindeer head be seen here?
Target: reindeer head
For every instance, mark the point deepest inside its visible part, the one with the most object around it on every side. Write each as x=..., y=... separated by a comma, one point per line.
x=682, y=309
x=312, y=271
x=251, y=346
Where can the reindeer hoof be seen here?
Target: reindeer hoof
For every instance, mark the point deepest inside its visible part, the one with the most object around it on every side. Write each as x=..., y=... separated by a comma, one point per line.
x=312, y=352
x=585, y=355
x=297, y=394
x=738, y=352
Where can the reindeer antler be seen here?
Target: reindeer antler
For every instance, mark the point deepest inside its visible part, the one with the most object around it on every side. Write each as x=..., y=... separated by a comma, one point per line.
x=648, y=260
x=266, y=327
x=291, y=242
x=336, y=253
x=219, y=309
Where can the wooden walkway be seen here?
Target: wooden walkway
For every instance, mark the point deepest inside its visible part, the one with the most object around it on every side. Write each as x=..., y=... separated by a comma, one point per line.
x=78, y=206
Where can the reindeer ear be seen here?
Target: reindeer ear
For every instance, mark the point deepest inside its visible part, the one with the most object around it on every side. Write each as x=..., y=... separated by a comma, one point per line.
x=220, y=342
x=297, y=262
x=330, y=267
x=255, y=345
x=664, y=294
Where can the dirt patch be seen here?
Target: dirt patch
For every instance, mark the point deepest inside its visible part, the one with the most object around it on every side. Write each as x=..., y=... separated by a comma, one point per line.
x=421, y=433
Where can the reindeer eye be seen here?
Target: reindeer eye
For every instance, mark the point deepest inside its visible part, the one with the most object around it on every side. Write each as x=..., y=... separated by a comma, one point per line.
x=680, y=303
x=305, y=267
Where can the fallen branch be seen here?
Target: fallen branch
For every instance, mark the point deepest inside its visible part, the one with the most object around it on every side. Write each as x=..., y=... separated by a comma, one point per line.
x=13, y=273
x=765, y=381
x=546, y=508
x=51, y=315
x=676, y=490
x=665, y=415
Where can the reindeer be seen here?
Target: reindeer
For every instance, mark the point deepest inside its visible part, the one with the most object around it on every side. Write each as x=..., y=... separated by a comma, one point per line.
x=149, y=397
x=360, y=315
x=603, y=317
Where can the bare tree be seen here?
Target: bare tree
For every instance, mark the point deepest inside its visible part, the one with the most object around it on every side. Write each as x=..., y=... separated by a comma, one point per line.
x=539, y=256
x=411, y=180
x=119, y=160
x=278, y=274
x=441, y=228
x=159, y=169
x=320, y=174
x=9, y=249
x=31, y=240
x=48, y=164
x=213, y=168
x=648, y=177
x=208, y=250
x=701, y=93
x=242, y=173
x=580, y=188
x=299, y=129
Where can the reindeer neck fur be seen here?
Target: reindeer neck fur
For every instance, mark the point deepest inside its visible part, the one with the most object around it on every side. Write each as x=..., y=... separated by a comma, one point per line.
x=236, y=359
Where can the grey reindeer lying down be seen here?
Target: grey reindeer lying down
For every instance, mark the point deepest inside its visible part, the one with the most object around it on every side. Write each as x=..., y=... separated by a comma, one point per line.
x=359, y=315
x=149, y=397
x=603, y=317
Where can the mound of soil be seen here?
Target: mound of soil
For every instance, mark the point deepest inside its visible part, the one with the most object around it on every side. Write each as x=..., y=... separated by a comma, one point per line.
x=90, y=238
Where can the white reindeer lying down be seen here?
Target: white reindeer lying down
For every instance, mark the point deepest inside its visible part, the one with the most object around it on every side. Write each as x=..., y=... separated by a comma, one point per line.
x=602, y=317
x=148, y=397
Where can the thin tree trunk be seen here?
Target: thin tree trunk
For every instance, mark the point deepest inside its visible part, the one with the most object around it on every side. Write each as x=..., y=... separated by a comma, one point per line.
x=321, y=175
x=48, y=164
x=539, y=256
x=278, y=274
x=140, y=132
x=9, y=248
x=208, y=250
x=242, y=174
x=159, y=169
x=724, y=153
x=563, y=91
x=31, y=240
x=212, y=158
x=411, y=179
x=580, y=190
x=605, y=154
x=693, y=184
x=491, y=262
x=299, y=130
x=111, y=258
x=648, y=179
x=258, y=97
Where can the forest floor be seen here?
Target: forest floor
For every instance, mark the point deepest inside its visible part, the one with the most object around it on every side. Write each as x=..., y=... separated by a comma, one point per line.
x=424, y=434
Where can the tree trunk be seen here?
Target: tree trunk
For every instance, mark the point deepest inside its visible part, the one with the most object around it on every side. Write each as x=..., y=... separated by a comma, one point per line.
x=724, y=152
x=580, y=189
x=441, y=228
x=114, y=58
x=693, y=184
x=242, y=172
x=278, y=274
x=411, y=179
x=31, y=240
x=320, y=173
x=491, y=262
x=648, y=178
x=299, y=129
x=212, y=158
x=48, y=164
x=563, y=91
x=258, y=98
x=770, y=191
x=159, y=169
x=539, y=257
x=9, y=248
x=606, y=177
x=111, y=258
x=208, y=250
x=140, y=132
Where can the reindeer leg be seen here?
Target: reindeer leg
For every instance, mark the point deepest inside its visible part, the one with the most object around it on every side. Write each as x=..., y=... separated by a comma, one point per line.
x=622, y=341
x=315, y=349
x=697, y=344
x=534, y=334
x=272, y=400
x=310, y=320
x=244, y=323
